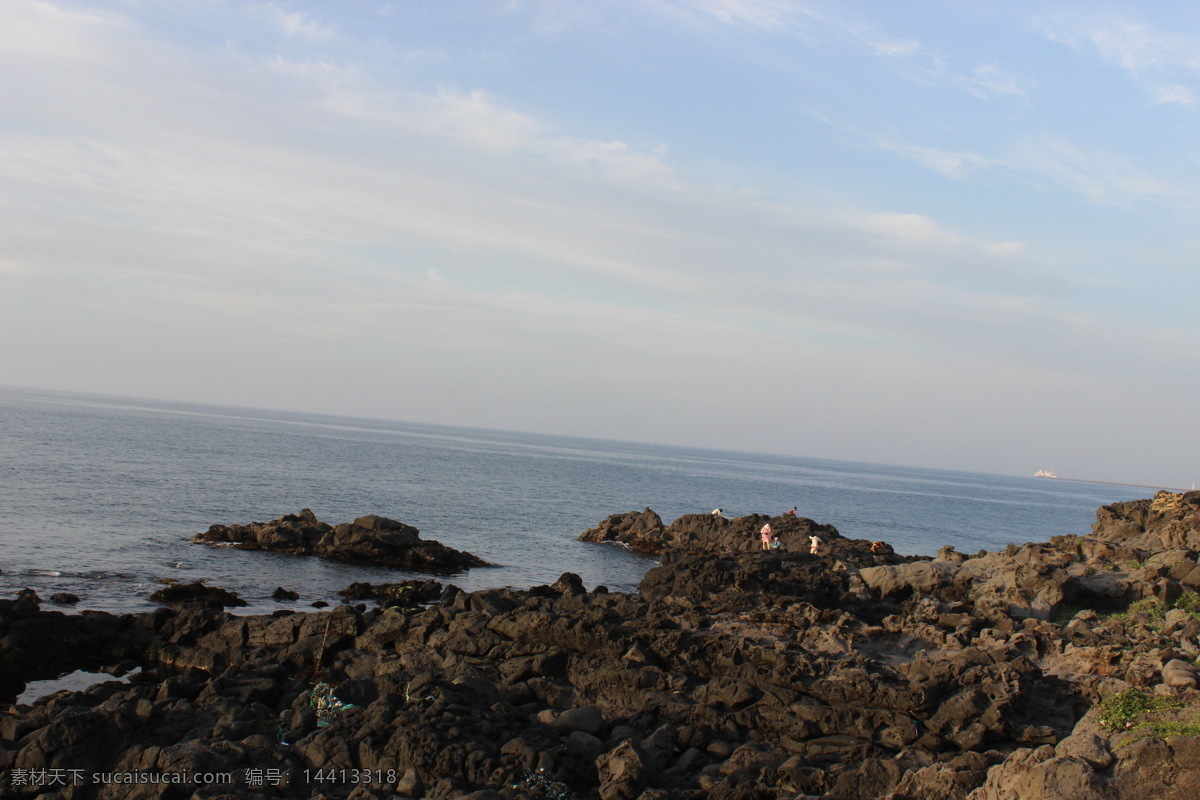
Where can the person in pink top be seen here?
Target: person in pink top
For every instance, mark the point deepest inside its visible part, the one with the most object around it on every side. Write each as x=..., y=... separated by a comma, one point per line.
x=766, y=536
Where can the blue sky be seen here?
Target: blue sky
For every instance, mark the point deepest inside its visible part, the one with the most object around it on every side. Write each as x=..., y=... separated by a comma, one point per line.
x=948, y=234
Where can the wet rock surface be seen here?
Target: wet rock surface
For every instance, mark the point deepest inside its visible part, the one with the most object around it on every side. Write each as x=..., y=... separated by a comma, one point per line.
x=732, y=673
x=372, y=539
x=197, y=593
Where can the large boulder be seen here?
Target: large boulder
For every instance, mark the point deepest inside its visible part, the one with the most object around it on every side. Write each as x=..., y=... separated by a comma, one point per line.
x=917, y=576
x=639, y=530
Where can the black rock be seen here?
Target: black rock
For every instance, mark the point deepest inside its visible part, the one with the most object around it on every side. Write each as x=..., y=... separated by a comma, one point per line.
x=197, y=594
x=374, y=540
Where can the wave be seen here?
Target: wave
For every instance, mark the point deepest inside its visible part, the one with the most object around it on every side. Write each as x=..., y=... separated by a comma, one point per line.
x=93, y=575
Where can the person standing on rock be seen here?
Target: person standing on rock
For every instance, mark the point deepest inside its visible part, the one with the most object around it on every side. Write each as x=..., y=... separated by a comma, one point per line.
x=814, y=545
x=766, y=536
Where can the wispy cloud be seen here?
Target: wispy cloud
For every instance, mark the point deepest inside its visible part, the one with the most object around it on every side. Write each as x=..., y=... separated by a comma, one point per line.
x=829, y=25
x=986, y=80
x=1161, y=93
x=1131, y=44
x=299, y=24
x=477, y=118
x=951, y=163
x=769, y=15
x=1048, y=163
x=910, y=227
x=1099, y=175
x=809, y=21
x=613, y=159
x=1164, y=61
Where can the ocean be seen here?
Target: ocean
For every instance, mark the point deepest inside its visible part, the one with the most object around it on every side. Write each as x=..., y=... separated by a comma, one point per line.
x=100, y=496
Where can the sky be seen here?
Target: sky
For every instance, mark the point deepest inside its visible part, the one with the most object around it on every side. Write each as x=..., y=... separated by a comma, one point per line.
x=938, y=233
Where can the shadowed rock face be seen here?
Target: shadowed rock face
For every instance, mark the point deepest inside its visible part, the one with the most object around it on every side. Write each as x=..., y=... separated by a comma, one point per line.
x=371, y=539
x=736, y=675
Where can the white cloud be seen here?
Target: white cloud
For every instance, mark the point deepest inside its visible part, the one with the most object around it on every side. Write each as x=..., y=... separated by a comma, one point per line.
x=615, y=160
x=1158, y=58
x=1048, y=163
x=954, y=164
x=910, y=227
x=43, y=29
x=822, y=24
x=810, y=22
x=299, y=24
x=989, y=79
x=1162, y=93
x=769, y=15
x=897, y=48
x=1004, y=248
x=470, y=116
x=10, y=265
x=1132, y=45
x=1096, y=174
x=476, y=118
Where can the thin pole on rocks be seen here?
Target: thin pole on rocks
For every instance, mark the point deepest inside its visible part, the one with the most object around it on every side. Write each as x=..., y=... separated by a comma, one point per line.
x=321, y=649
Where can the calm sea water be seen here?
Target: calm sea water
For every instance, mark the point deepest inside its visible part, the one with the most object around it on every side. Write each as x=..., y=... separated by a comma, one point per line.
x=100, y=496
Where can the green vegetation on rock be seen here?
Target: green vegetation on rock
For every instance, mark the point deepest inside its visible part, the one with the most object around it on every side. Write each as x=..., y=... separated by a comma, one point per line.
x=1142, y=715
x=1156, y=610
x=1148, y=606
x=1189, y=602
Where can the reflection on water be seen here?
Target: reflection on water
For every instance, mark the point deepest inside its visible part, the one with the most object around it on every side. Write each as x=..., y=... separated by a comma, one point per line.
x=75, y=681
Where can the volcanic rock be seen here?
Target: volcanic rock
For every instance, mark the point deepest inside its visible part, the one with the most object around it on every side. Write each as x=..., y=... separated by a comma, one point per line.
x=1168, y=521
x=372, y=540
x=197, y=593
x=640, y=530
x=644, y=532
x=404, y=593
x=731, y=674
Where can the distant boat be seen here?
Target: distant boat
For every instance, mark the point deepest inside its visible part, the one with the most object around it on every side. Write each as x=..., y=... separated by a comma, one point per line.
x=1044, y=473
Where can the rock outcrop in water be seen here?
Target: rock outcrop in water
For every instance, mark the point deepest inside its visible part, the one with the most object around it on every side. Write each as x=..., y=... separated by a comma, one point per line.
x=731, y=674
x=197, y=594
x=645, y=532
x=371, y=539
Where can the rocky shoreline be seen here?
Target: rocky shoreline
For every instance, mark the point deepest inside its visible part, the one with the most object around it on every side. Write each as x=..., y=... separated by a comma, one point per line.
x=1056, y=670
